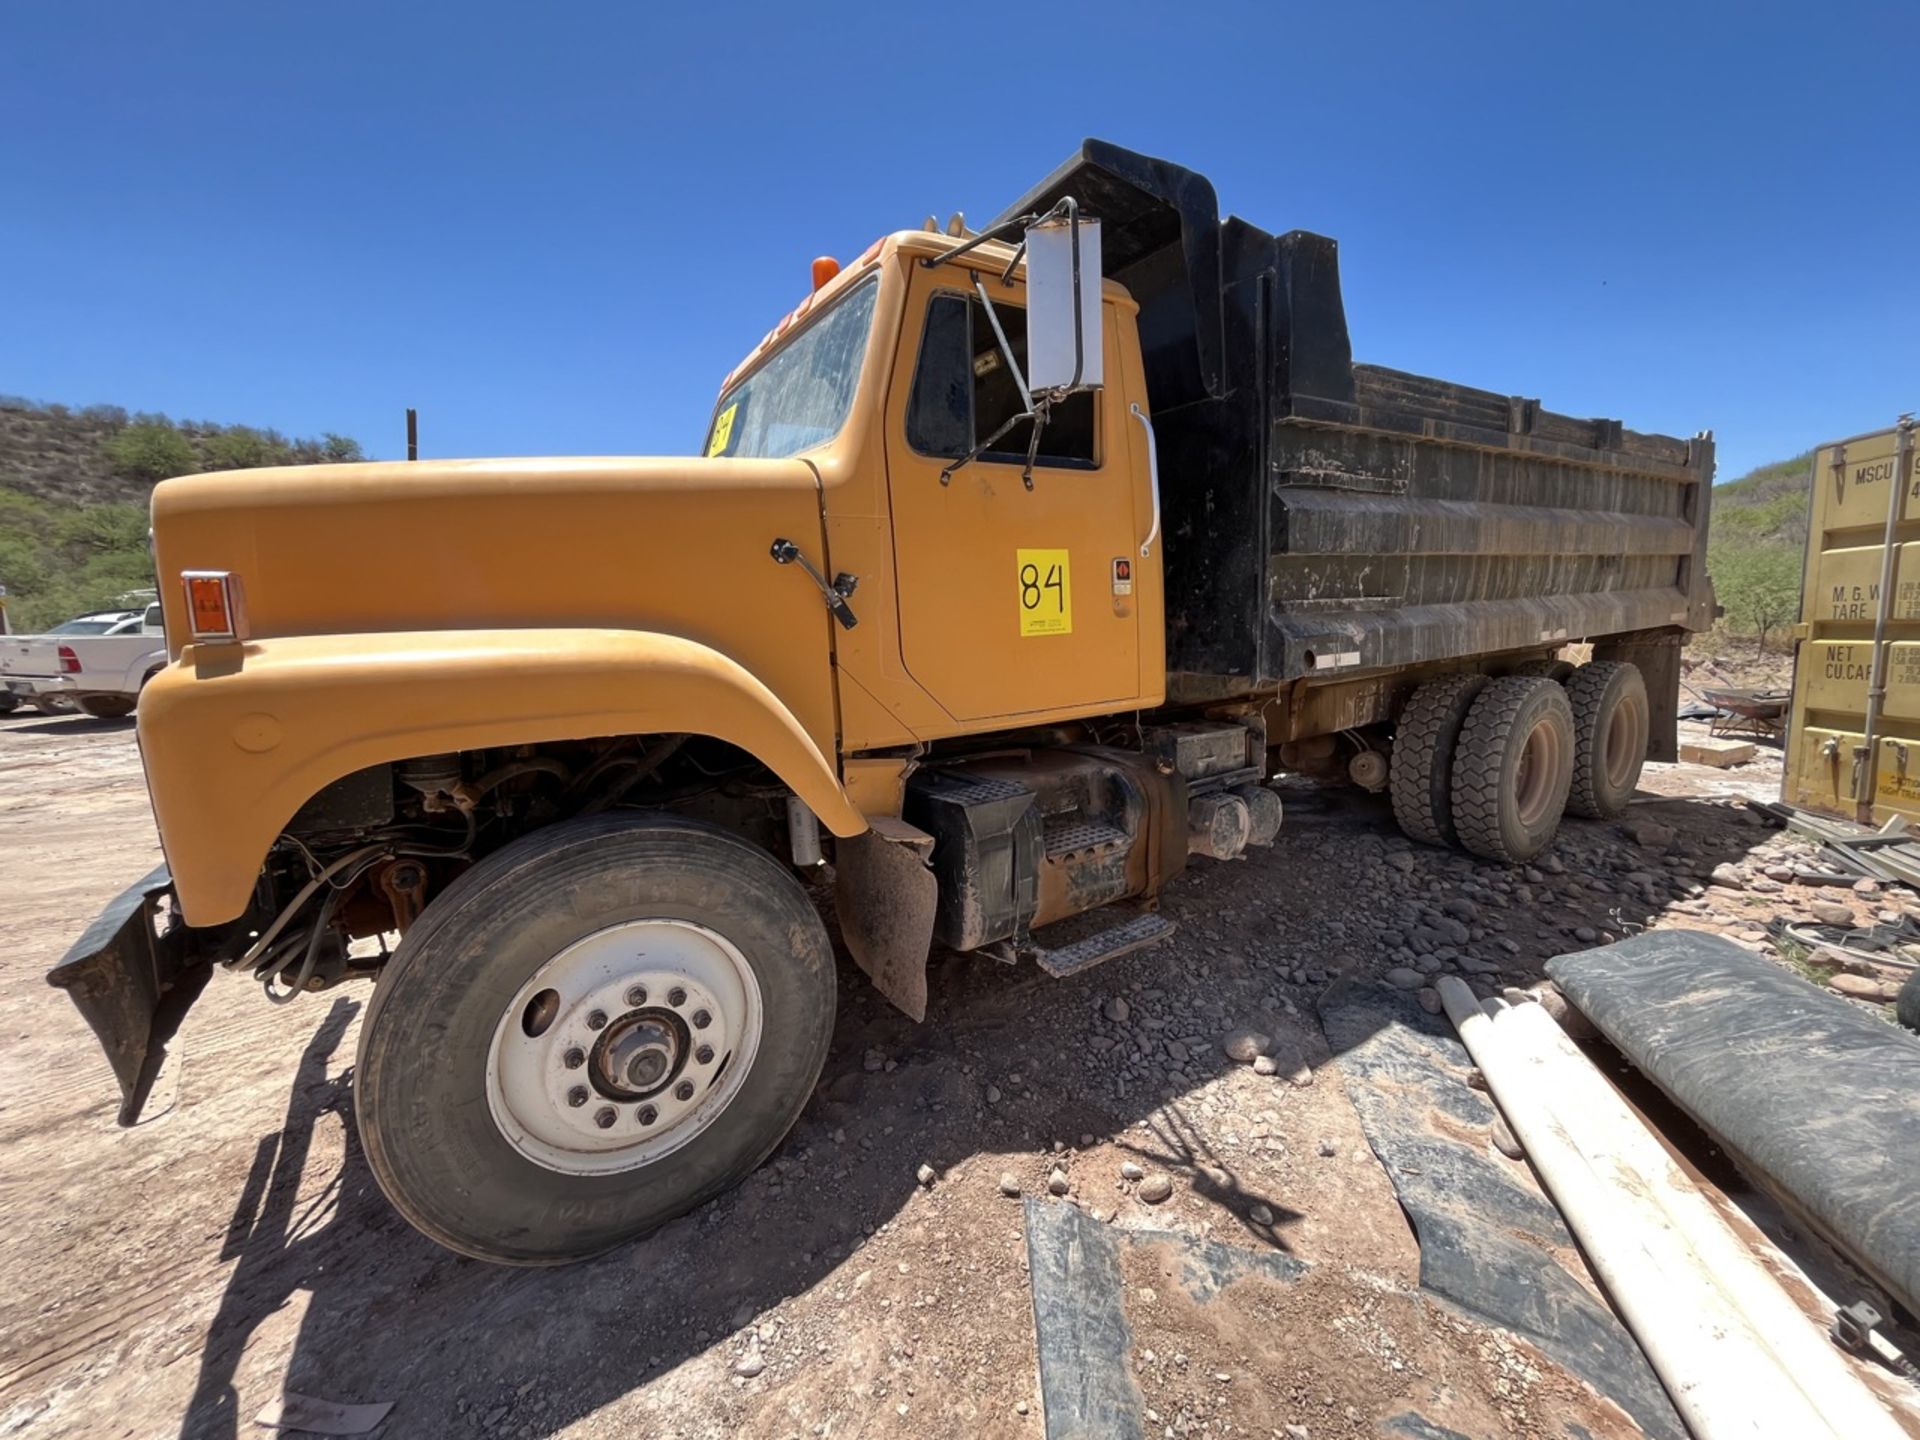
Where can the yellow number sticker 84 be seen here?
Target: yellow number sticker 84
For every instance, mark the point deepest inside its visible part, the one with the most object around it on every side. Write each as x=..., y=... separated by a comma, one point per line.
x=1046, y=592
x=722, y=431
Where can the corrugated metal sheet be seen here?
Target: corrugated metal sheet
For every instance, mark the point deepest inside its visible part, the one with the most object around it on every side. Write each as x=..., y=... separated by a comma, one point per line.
x=1830, y=763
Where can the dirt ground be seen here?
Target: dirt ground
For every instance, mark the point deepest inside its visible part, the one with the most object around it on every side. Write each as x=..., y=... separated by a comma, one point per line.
x=172, y=1278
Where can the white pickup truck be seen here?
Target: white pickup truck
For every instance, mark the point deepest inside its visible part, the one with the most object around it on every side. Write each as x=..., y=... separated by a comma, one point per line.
x=98, y=662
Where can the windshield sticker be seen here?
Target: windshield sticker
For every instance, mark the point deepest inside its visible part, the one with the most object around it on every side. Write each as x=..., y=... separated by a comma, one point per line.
x=723, y=431
x=1046, y=593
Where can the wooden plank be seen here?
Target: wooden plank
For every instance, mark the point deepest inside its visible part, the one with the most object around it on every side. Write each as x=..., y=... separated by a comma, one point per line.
x=1720, y=753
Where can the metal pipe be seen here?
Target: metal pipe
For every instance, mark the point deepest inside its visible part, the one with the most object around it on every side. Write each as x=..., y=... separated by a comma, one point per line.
x=413, y=433
x=1877, y=683
x=1610, y=1136
x=1723, y=1381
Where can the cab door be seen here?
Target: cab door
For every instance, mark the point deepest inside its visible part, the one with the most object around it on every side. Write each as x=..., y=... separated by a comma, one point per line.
x=1015, y=602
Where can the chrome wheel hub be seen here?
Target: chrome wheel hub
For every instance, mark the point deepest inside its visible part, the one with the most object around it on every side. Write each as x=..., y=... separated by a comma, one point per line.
x=624, y=1047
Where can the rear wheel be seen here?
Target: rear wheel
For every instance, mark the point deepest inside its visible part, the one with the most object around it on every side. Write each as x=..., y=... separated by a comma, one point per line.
x=1512, y=768
x=1420, y=774
x=594, y=1029
x=9, y=702
x=1610, y=723
x=107, y=707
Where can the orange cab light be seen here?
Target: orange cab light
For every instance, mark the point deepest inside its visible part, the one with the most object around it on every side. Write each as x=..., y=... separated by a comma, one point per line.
x=824, y=269
x=213, y=604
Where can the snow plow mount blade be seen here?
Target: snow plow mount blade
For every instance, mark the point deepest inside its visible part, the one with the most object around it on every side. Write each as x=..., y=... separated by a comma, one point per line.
x=133, y=984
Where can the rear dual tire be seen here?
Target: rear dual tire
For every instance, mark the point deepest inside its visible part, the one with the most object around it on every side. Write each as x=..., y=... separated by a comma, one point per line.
x=1479, y=762
x=498, y=1110
x=1512, y=768
x=1611, y=721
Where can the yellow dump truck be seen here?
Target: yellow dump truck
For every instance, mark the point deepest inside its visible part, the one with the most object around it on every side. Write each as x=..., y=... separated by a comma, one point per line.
x=1853, y=741
x=1016, y=564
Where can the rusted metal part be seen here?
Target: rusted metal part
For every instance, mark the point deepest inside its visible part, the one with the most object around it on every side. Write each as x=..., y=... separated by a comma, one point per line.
x=885, y=897
x=404, y=882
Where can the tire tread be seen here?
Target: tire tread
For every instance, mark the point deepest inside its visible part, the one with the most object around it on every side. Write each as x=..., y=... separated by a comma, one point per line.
x=1424, y=738
x=1587, y=691
x=1479, y=763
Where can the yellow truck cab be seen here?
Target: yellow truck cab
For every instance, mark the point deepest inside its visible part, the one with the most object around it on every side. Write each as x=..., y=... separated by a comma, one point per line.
x=1015, y=565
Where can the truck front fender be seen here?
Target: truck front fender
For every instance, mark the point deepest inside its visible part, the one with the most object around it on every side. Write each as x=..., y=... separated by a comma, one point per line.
x=237, y=738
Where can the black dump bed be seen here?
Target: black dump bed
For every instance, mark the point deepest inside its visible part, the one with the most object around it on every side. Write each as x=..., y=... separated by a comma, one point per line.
x=1324, y=517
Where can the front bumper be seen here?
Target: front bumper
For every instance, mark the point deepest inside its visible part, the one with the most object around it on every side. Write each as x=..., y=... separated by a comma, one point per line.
x=134, y=980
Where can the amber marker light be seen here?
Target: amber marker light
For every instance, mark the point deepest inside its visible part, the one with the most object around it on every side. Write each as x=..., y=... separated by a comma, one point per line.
x=213, y=605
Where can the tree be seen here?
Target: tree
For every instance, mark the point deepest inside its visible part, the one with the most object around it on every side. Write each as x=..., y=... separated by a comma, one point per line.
x=1758, y=584
x=150, y=451
x=240, y=447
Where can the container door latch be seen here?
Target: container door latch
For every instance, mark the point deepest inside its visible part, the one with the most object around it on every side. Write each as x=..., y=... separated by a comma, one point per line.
x=785, y=552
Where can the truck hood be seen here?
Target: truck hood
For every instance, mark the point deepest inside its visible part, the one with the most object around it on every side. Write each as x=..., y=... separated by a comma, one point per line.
x=478, y=544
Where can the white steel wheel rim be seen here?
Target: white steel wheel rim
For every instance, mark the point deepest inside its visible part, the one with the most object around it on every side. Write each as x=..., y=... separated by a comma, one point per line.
x=654, y=1022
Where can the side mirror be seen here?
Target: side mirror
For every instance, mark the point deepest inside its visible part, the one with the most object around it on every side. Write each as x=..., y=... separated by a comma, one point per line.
x=1063, y=304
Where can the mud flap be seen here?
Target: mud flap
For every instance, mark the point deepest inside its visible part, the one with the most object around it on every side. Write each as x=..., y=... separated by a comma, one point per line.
x=885, y=897
x=132, y=985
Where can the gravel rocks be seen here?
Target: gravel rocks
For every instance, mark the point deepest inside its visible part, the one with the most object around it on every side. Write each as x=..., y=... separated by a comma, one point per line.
x=1057, y=1183
x=1504, y=1142
x=1131, y=1171
x=1650, y=834
x=1116, y=1010
x=1429, y=999
x=1861, y=987
x=1009, y=1184
x=1728, y=877
x=1263, y=1065
x=1260, y=1215
x=1402, y=977
x=1155, y=1188
x=1243, y=1045
x=749, y=1365
x=925, y=1175
x=1831, y=912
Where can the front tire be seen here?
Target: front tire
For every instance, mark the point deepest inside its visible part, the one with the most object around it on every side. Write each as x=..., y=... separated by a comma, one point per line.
x=107, y=707
x=593, y=1030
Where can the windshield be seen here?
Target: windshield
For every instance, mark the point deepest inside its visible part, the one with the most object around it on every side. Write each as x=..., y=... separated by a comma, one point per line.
x=800, y=397
x=92, y=625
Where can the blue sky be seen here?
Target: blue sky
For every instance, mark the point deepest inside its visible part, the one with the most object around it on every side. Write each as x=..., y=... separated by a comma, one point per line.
x=554, y=228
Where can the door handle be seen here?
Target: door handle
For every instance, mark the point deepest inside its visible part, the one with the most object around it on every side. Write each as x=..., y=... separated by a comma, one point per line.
x=1153, y=476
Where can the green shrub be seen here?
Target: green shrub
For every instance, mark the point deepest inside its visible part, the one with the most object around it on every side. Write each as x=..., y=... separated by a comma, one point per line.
x=1758, y=584
x=151, y=451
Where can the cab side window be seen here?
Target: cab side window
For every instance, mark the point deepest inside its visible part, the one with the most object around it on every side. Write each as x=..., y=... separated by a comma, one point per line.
x=963, y=393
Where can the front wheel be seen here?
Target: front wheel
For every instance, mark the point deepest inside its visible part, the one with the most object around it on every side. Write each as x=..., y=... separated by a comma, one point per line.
x=107, y=707
x=593, y=1030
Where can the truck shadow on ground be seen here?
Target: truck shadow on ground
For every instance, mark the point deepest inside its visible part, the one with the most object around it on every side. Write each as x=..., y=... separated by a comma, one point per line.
x=1009, y=1067
x=66, y=725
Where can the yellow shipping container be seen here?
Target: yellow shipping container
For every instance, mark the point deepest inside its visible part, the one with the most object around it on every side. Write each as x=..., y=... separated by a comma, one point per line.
x=1841, y=746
